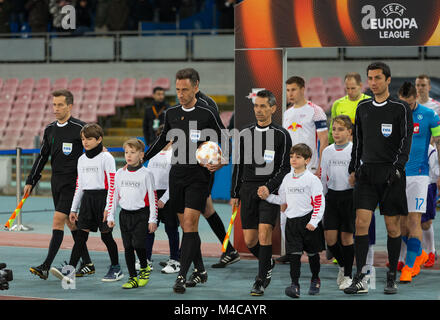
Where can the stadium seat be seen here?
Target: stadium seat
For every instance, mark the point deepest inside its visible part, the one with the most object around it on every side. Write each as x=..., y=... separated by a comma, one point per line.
x=108, y=98
x=335, y=81
x=26, y=141
x=27, y=83
x=24, y=90
x=89, y=115
x=124, y=99
x=11, y=82
x=19, y=112
x=3, y=123
x=144, y=82
x=111, y=83
x=318, y=89
x=162, y=82
x=319, y=99
x=42, y=83
x=109, y=91
x=5, y=105
x=60, y=83
x=315, y=81
x=13, y=130
x=77, y=82
x=36, y=108
x=40, y=95
x=128, y=83
x=8, y=143
x=7, y=98
x=94, y=82
x=143, y=92
x=106, y=109
x=22, y=100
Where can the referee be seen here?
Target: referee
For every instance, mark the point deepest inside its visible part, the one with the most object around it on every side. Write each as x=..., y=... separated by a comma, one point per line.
x=62, y=142
x=187, y=124
x=268, y=145
x=381, y=142
x=231, y=255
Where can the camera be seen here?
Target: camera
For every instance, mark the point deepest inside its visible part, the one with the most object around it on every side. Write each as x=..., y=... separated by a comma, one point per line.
x=5, y=277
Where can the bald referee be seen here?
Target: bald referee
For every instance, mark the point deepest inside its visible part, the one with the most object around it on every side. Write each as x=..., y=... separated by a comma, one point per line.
x=61, y=142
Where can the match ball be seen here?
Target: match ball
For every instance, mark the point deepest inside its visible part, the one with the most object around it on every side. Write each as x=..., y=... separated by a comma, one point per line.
x=208, y=153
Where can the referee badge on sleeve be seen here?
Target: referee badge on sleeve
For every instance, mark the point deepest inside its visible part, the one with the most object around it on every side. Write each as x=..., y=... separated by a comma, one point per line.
x=387, y=129
x=67, y=148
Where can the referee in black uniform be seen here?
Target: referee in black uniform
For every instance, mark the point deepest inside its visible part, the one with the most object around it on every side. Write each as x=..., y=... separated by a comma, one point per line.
x=185, y=124
x=268, y=145
x=381, y=145
x=231, y=255
x=62, y=142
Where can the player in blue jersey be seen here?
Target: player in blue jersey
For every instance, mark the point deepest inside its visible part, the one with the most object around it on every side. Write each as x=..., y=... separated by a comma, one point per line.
x=426, y=125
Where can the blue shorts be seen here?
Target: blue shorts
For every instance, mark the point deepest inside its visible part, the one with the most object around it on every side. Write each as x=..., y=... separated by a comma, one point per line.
x=431, y=203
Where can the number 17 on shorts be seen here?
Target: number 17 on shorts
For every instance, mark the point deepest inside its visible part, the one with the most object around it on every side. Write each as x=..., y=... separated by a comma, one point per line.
x=416, y=193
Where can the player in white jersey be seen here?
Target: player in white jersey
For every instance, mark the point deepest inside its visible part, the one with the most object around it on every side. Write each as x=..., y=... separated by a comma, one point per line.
x=160, y=166
x=136, y=195
x=428, y=241
x=306, y=123
x=339, y=216
x=423, y=86
x=302, y=192
x=94, y=185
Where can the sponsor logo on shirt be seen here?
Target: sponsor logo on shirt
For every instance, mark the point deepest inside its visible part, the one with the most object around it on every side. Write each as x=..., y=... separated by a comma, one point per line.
x=294, y=126
x=416, y=127
x=339, y=163
x=295, y=190
x=130, y=184
x=90, y=169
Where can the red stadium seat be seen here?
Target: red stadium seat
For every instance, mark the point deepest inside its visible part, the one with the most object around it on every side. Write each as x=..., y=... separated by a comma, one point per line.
x=60, y=83
x=27, y=83
x=11, y=82
x=144, y=82
x=89, y=115
x=319, y=89
x=108, y=98
x=143, y=92
x=111, y=82
x=106, y=109
x=335, y=81
x=315, y=81
x=109, y=91
x=26, y=141
x=162, y=82
x=128, y=83
x=8, y=143
x=94, y=82
x=42, y=83
x=7, y=97
x=124, y=99
x=77, y=82
x=14, y=130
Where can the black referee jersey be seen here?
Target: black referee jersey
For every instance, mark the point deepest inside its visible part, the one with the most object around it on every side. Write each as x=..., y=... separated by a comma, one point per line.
x=254, y=157
x=382, y=133
x=207, y=100
x=63, y=144
x=188, y=124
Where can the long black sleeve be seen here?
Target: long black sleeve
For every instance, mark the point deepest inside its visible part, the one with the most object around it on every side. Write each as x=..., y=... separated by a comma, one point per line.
x=356, y=151
x=41, y=160
x=406, y=131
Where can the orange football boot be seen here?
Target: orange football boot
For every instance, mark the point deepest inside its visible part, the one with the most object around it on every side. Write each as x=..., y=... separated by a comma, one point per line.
x=406, y=275
x=420, y=261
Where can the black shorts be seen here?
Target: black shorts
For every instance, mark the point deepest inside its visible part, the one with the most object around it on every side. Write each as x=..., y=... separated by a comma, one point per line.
x=91, y=211
x=63, y=189
x=253, y=210
x=189, y=188
x=211, y=182
x=134, y=227
x=371, y=188
x=339, y=212
x=165, y=215
x=299, y=239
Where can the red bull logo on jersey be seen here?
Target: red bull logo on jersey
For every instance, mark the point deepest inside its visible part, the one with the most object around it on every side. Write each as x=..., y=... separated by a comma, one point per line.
x=294, y=126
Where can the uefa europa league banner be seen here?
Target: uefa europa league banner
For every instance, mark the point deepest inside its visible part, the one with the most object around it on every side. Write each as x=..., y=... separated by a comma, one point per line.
x=336, y=23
